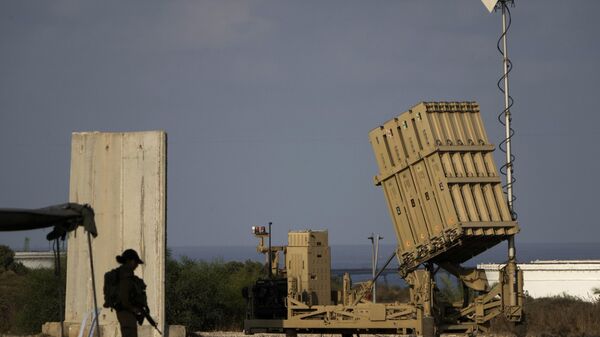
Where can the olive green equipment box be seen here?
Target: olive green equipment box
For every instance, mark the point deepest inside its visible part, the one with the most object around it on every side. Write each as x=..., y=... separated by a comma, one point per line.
x=446, y=201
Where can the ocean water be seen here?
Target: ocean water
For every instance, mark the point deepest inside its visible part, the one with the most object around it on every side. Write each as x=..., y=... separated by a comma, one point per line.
x=359, y=256
x=356, y=259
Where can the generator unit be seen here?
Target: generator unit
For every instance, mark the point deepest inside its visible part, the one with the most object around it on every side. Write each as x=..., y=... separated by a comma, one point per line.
x=308, y=266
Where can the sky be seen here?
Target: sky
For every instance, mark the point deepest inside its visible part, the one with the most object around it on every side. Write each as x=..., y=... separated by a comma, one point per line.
x=268, y=104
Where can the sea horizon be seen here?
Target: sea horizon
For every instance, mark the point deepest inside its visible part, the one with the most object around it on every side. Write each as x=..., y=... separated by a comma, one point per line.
x=359, y=256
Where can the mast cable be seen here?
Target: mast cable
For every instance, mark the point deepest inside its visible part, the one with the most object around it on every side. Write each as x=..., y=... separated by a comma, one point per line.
x=508, y=166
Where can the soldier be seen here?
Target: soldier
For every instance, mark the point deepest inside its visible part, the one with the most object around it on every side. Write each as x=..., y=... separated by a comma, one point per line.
x=131, y=293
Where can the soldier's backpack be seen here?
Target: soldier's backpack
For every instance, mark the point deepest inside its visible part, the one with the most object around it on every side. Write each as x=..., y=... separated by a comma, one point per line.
x=111, y=288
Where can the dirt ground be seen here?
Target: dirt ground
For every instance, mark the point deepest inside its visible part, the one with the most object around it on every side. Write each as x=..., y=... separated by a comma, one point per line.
x=241, y=334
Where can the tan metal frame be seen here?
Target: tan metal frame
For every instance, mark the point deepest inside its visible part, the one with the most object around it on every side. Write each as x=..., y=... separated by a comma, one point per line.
x=446, y=200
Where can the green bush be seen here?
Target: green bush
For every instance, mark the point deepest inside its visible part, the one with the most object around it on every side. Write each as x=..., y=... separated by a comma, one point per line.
x=208, y=295
x=392, y=293
x=11, y=293
x=29, y=299
x=7, y=257
x=200, y=295
x=564, y=316
x=7, y=261
x=42, y=301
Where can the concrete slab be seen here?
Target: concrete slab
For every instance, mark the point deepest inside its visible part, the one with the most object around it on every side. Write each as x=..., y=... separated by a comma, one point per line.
x=123, y=177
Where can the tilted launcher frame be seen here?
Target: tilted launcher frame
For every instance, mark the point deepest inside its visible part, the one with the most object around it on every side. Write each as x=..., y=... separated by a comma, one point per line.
x=441, y=184
x=446, y=200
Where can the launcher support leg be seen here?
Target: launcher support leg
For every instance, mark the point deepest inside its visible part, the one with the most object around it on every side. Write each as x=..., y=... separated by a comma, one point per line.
x=421, y=290
x=471, y=277
x=511, y=268
x=421, y=284
x=512, y=291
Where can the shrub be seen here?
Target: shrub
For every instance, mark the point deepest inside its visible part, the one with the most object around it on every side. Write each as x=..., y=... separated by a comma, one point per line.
x=392, y=293
x=11, y=292
x=29, y=299
x=7, y=257
x=201, y=295
x=207, y=295
x=42, y=301
x=564, y=316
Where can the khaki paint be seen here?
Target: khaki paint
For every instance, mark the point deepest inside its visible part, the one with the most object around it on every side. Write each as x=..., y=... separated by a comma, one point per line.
x=436, y=163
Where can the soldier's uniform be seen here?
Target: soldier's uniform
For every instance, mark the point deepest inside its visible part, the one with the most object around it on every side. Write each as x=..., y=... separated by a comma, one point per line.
x=126, y=313
x=131, y=295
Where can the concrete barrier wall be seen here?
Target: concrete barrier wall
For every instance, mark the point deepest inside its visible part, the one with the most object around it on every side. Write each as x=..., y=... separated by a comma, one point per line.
x=123, y=177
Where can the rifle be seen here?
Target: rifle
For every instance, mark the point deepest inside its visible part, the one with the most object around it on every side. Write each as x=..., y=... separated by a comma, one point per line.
x=146, y=314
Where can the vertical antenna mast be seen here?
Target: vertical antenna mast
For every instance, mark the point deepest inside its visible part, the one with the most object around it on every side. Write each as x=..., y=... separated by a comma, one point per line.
x=507, y=105
x=509, y=157
x=508, y=102
x=505, y=116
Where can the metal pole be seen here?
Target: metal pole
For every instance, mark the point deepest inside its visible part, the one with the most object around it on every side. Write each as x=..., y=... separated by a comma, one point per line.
x=89, y=237
x=375, y=257
x=376, y=260
x=372, y=238
x=361, y=295
x=507, y=119
x=270, y=257
x=60, y=287
x=509, y=165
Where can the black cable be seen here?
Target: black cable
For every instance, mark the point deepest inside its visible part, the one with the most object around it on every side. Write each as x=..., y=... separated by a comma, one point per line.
x=502, y=146
x=58, y=273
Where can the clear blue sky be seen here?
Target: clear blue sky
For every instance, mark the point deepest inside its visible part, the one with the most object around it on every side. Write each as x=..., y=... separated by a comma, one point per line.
x=268, y=104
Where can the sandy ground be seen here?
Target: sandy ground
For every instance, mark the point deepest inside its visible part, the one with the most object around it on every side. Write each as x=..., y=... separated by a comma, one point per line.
x=241, y=334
